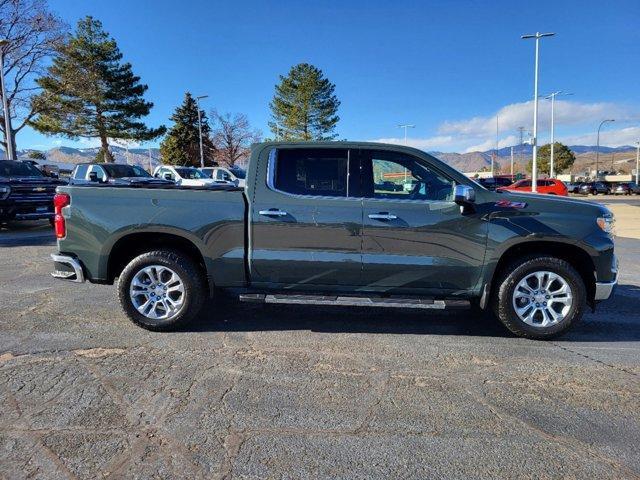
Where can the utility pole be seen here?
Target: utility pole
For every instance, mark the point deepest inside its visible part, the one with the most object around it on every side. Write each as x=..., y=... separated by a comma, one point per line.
x=150, y=165
x=5, y=104
x=598, y=144
x=200, y=129
x=534, y=169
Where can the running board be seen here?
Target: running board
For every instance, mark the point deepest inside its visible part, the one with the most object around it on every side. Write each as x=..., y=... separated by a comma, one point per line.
x=355, y=301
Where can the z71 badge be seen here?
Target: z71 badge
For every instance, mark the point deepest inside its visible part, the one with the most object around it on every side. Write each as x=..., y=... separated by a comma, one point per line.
x=508, y=204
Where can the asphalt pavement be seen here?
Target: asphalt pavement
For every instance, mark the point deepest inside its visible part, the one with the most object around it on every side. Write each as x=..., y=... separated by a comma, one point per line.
x=252, y=391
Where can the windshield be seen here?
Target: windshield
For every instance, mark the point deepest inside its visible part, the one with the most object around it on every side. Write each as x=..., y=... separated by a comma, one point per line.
x=241, y=173
x=121, y=171
x=190, y=173
x=10, y=168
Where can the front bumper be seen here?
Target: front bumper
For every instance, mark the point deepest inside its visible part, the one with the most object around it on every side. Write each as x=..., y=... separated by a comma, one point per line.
x=26, y=211
x=604, y=290
x=67, y=268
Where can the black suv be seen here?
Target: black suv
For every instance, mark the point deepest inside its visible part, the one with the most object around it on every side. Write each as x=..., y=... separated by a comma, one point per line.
x=595, y=188
x=25, y=193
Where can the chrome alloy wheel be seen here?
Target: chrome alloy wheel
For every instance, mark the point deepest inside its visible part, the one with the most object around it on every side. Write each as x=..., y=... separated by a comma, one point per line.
x=157, y=292
x=542, y=299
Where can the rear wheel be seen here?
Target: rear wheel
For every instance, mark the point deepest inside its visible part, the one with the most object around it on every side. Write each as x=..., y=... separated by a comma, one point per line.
x=539, y=297
x=161, y=290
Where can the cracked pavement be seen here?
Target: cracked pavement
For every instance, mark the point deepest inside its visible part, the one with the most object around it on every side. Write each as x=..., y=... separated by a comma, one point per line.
x=252, y=391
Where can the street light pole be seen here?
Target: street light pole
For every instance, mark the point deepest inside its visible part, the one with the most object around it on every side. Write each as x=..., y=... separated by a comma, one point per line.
x=200, y=129
x=512, y=163
x=406, y=126
x=637, y=162
x=553, y=96
x=534, y=170
x=5, y=103
x=598, y=143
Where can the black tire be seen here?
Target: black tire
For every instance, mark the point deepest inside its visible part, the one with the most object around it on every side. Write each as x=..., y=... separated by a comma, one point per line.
x=190, y=274
x=507, y=281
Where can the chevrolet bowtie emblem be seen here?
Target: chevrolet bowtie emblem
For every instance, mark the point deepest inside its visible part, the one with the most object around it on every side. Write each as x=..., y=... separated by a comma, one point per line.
x=39, y=189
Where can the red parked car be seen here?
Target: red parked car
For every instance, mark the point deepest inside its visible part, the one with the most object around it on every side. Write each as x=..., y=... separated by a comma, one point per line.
x=549, y=186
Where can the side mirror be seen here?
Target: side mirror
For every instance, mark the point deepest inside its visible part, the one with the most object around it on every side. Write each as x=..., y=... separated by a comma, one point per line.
x=93, y=176
x=464, y=195
x=168, y=176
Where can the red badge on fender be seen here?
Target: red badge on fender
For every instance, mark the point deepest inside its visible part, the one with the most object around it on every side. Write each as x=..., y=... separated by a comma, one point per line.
x=508, y=204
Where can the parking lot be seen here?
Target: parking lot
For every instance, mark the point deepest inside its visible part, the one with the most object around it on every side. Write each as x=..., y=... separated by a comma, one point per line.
x=253, y=391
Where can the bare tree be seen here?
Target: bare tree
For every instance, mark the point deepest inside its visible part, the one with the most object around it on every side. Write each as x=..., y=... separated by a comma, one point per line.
x=232, y=136
x=32, y=32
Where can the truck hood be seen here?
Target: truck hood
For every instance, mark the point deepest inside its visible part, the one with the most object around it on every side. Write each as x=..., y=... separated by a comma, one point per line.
x=31, y=181
x=553, y=203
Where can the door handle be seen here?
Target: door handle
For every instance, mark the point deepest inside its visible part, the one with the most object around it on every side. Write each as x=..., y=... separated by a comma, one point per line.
x=274, y=212
x=382, y=216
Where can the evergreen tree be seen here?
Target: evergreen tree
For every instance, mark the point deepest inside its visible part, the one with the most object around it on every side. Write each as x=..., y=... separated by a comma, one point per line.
x=88, y=92
x=304, y=106
x=181, y=145
x=563, y=158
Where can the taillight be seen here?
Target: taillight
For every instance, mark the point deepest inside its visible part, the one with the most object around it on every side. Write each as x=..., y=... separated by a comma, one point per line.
x=60, y=200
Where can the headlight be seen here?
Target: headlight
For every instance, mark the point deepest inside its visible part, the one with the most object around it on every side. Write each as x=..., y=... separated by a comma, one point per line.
x=5, y=190
x=606, y=223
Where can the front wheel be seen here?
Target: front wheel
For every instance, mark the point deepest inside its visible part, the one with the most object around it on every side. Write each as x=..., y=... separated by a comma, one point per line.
x=539, y=297
x=161, y=290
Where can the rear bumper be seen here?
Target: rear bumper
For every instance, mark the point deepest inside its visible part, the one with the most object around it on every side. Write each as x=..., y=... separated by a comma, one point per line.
x=67, y=268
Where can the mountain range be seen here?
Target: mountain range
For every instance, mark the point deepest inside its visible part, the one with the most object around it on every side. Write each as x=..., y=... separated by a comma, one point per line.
x=621, y=158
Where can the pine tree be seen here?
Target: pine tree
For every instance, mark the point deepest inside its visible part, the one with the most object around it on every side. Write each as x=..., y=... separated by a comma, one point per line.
x=88, y=92
x=181, y=145
x=304, y=106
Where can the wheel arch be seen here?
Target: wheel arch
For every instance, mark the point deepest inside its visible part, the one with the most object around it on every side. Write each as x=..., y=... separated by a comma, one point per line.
x=573, y=254
x=129, y=246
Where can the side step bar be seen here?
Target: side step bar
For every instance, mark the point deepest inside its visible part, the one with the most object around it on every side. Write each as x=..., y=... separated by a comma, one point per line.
x=342, y=301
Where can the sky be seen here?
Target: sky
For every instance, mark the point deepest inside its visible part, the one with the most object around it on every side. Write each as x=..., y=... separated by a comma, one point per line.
x=447, y=67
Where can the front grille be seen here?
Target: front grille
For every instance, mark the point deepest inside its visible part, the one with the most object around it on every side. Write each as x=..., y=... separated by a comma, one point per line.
x=32, y=193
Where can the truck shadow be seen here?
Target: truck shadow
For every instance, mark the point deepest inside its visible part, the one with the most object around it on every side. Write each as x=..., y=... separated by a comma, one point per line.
x=614, y=321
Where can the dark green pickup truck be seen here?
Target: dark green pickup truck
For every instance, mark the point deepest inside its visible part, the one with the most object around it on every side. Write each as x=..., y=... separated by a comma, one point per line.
x=340, y=223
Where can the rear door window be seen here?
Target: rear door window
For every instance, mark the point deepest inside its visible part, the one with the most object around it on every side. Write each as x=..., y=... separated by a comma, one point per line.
x=316, y=172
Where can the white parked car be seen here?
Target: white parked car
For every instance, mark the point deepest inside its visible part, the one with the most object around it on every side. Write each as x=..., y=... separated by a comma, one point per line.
x=187, y=176
x=235, y=175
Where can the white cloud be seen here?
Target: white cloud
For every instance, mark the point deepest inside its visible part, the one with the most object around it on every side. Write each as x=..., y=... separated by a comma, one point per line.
x=609, y=138
x=479, y=133
x=422, y=143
